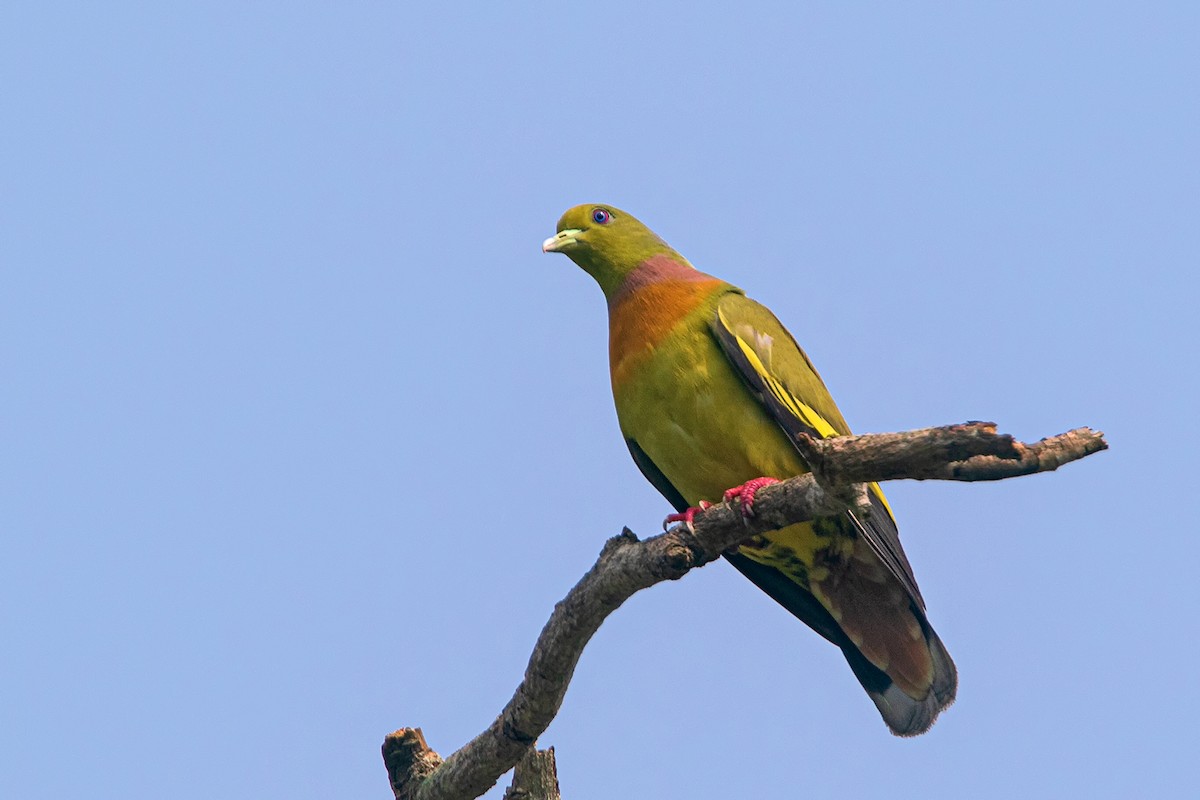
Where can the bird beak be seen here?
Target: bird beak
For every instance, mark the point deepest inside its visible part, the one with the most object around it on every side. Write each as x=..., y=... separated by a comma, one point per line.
x=561, y=240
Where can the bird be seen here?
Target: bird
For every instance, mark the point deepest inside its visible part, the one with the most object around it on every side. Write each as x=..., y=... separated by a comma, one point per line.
x=712, y=393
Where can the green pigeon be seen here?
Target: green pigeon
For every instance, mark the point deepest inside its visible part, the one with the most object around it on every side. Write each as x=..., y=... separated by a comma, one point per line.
x=711, y=393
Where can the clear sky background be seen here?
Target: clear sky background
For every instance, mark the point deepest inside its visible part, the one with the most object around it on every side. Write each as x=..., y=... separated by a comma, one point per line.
x=301, y=437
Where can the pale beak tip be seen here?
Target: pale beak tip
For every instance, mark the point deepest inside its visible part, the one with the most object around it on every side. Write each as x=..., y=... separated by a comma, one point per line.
x=561, y=240
x=564, y=238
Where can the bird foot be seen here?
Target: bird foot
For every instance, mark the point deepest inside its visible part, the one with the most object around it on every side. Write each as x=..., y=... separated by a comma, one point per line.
x=745, y=493
x=688, y=516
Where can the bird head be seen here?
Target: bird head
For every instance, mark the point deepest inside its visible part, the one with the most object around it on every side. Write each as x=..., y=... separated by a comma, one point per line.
x=606, y=242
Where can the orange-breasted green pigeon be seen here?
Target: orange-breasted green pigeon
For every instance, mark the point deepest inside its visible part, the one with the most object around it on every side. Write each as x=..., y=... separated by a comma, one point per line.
x=711, y=392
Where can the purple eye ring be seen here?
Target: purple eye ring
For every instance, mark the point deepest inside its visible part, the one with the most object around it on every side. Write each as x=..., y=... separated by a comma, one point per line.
x=601, y=216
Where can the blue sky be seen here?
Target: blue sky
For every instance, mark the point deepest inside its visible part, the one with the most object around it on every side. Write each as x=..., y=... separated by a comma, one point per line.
x=302, y=436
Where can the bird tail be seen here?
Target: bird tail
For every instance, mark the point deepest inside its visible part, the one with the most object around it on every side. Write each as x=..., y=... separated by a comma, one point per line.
x=907, y=712
x=904, y=714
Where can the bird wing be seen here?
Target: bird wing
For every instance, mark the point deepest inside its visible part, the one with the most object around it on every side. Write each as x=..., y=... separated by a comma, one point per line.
x=781, y=376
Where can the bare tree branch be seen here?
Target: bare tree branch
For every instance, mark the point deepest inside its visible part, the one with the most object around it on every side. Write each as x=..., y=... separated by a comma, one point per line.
x=535, y=777
x=409, y=761
x=969, y=452
x=948, y=454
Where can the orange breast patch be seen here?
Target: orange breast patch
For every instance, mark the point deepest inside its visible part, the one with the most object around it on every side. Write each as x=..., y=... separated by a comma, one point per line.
x=644, y=318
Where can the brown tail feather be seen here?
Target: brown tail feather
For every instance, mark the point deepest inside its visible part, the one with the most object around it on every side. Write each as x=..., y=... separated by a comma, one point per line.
x=889, y=629
x=920, y=662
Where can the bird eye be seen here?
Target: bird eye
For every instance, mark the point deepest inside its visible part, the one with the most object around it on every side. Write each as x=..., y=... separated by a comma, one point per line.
x=601, y=216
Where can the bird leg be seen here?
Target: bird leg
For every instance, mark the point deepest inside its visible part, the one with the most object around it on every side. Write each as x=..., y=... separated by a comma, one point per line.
x=687, y=517
x=745, y=493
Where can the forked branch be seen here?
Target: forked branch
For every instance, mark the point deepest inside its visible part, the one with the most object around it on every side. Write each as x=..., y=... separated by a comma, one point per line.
x=969, y=452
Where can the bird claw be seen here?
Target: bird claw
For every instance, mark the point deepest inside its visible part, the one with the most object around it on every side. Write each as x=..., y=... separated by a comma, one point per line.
x=745, y=493
x=687, y=517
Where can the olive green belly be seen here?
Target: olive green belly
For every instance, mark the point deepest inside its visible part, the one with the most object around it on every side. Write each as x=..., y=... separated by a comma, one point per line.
x=691, y=414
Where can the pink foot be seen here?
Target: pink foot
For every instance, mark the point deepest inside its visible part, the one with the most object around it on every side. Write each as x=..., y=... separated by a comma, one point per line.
x=687, y=517
x=745, y=493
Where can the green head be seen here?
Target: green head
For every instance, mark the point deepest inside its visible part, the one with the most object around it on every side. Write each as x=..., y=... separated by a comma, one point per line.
x=608, y=243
